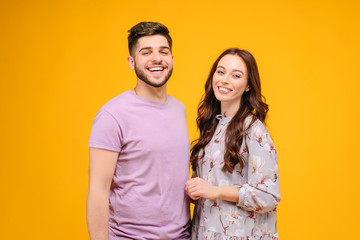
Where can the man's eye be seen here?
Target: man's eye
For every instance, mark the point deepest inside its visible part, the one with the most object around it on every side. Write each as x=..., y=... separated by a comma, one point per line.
x=146, y=53
x=164, y=53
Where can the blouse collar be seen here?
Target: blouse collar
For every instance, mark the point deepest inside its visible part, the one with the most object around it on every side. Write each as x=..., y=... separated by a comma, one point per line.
x=222, y=119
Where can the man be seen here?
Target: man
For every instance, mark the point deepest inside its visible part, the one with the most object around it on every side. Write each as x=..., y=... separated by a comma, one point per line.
x=139, y=151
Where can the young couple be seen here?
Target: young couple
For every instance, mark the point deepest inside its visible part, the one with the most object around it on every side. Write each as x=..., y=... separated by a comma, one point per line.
x=139, y=185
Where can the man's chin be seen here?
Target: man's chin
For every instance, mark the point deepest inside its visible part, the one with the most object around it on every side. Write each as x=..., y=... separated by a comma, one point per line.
x=156, y=83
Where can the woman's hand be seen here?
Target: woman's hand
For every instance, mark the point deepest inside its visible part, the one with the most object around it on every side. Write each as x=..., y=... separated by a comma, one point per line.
x=197, y=187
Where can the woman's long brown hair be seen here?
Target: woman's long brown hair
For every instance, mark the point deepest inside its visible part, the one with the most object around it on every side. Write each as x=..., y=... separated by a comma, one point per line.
x=252, y=103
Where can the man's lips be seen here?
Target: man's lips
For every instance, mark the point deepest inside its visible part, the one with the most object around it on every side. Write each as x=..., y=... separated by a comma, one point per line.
x=156, y=68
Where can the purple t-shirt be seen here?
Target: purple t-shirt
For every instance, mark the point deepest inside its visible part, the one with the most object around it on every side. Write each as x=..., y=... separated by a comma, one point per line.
x=147, y=198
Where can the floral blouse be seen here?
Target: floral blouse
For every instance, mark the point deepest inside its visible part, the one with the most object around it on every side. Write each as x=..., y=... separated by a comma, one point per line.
x=253, y=217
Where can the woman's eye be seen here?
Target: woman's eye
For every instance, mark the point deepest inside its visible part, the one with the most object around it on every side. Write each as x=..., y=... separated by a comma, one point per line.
x=220, y=72
x=236, y=76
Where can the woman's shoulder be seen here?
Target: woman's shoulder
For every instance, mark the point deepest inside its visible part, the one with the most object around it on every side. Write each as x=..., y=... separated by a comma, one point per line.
x=256, y=125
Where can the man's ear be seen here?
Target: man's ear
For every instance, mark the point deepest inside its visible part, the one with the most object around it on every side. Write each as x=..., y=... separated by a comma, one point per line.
x=131, y=62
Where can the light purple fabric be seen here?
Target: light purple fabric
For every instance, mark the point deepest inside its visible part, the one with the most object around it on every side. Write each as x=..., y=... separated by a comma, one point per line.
x=147, y=197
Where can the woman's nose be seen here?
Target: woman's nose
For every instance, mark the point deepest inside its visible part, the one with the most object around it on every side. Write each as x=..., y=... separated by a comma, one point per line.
x=225, y=79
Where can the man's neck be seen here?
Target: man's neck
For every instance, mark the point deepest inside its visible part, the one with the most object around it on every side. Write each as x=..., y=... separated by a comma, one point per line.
x=151, y=93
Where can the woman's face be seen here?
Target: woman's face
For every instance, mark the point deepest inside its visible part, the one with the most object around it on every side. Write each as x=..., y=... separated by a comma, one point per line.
x=230, y=80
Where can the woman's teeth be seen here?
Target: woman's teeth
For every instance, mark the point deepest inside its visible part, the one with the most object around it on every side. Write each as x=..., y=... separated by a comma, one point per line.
x=224, y=89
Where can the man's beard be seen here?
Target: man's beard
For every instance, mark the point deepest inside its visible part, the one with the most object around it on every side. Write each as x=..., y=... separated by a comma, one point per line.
x=142, y=76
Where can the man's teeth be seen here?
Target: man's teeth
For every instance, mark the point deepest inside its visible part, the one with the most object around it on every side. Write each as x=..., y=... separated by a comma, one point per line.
x=224, y=89
x=156, y=69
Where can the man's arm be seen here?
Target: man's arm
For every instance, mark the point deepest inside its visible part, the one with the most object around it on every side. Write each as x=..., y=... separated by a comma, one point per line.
x=101, y=170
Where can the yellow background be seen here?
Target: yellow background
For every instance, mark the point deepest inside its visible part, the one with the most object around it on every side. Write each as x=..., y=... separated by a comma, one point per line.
x=60, y=61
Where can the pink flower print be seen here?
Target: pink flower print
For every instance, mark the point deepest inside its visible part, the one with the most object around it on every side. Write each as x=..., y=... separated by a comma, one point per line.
x=250, y=223
x=209, y=234
x=263, y=229
x=235, y=215
x=251, y=216
x=261, y=183
x=272, y=149
x=244, y=150
x=215, y=204
x=232, y=215
x=256, y=163
x=259, y=136
x=271, y=174
x=218, y=140
x=212, y=164
x=244, y=153
x=267, y=176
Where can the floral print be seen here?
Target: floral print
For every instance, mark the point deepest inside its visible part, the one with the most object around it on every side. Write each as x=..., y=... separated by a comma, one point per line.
x=253, y=217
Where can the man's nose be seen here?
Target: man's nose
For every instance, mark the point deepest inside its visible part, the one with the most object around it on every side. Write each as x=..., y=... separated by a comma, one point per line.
x=156, y=57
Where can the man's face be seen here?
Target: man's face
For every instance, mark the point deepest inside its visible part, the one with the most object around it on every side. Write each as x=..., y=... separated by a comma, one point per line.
x=152, y=60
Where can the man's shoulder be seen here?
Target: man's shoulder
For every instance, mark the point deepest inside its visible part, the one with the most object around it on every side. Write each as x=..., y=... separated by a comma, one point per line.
x=118, y=103
x=174, y=101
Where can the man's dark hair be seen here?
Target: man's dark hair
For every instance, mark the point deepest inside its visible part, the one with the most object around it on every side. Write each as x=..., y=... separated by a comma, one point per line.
x=147, y=29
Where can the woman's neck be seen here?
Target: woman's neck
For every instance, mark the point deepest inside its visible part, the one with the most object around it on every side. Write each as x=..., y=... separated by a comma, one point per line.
x=229, y=109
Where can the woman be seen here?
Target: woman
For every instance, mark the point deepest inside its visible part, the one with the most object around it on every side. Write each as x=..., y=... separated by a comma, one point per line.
x=235, y=174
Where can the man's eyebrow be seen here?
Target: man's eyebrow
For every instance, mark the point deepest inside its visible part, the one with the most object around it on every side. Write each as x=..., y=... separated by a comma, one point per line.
x=145, y=48
x=149, y=48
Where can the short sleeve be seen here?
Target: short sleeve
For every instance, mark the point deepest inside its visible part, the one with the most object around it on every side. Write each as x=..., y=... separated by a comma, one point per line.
x=105, y=132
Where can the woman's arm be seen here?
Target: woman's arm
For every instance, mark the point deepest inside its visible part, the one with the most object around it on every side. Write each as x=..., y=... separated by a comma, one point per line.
x=197, y=187
x=261, y=192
